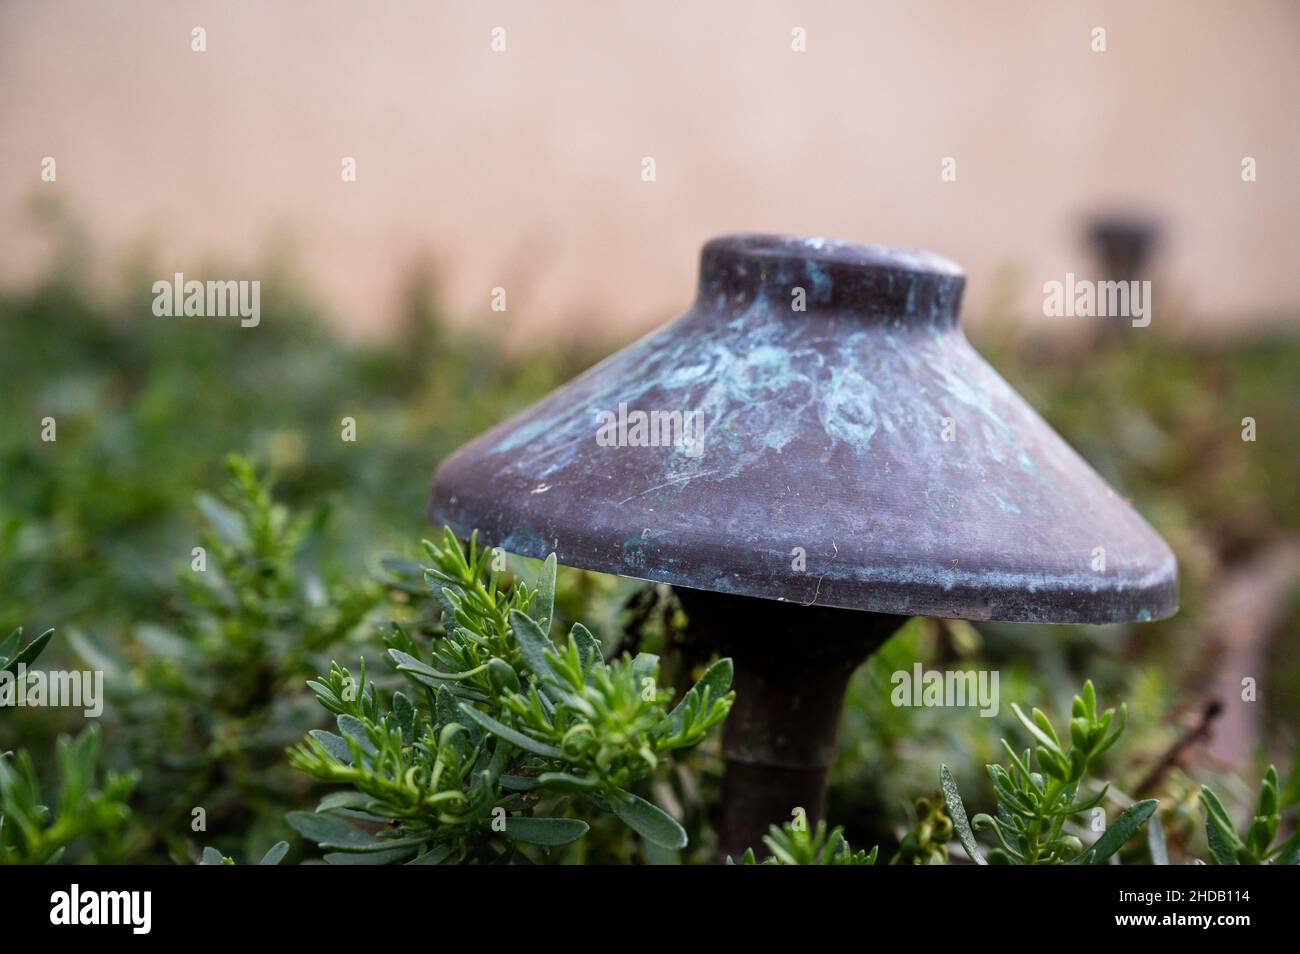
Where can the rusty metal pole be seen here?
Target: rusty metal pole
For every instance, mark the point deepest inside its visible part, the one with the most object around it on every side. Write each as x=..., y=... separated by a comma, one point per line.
x=780, y=740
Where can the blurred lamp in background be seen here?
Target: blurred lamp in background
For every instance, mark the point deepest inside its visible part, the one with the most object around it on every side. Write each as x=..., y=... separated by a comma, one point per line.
x=1123, y=244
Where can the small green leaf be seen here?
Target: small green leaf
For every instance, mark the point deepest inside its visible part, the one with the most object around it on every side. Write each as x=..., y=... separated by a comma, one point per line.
x=533, y=644
x=212, y=857
x=1287, y=853
x=435, y=855
x=446, y=598
x=645, y=666
x=588, y=647
x=564, y=782
x=356, y=801
x=27, y=655
x=354, y=729
x=504, y=678
x=330, y=832
x=542, y=607
x=369, y=857
x=548, y=832
x=446, y=708
x=1268, y=793
x=648, y=820
x=501, y=754
x=422, y=672
x=513, y=736
x=1219, y=830
x=1110, y=740
x=333, y=744
x=716, y=680
x=1119, y=831
x=276, y=854
x=404, y=713
x=1044, y=723
x=957, y=812
x=661, y=857
x=1047, y=741
x=1090, y=701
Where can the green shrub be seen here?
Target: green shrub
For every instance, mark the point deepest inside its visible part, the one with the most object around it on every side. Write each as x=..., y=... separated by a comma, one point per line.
x=1257, y=847
x=37, y=830
x=206, y=703
x=500, y=731
x=794, y=844
x=1033, y=806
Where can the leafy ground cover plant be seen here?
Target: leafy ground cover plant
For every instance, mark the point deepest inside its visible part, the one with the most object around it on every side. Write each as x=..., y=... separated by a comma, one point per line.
x=144, y=420
x=1034, y=804
x=500, y=730
x=206, y=700
x=794, y=844
x=34, y=830
x=274, y=855
x=1257, y=847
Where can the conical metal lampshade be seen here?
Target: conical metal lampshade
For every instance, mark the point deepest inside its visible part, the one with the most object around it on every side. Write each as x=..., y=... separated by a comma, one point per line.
x=831, y=439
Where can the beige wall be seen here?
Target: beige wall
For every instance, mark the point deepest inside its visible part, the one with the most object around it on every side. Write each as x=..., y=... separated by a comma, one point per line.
x=522, y=169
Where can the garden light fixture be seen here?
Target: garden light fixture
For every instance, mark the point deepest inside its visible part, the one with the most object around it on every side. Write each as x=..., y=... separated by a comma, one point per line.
x=811, y=454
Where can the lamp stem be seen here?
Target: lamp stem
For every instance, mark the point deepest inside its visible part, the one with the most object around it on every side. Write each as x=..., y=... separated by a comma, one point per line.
x=793, y=664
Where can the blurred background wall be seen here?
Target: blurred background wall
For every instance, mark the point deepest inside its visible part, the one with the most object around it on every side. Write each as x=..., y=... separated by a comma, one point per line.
x=523, y=168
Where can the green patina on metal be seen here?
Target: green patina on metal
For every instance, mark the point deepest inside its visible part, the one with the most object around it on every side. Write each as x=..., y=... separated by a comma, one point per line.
x=846, y=416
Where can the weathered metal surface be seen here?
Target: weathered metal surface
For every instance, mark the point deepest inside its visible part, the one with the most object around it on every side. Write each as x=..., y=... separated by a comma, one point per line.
x=779, y=741
x=863, y=432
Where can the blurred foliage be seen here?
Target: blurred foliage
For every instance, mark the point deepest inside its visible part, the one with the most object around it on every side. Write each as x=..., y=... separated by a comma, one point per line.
x=83, y=812
x=38, y=826
x=927, y=842
x=98, y=530
x=206, y=704
x=147, y=409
